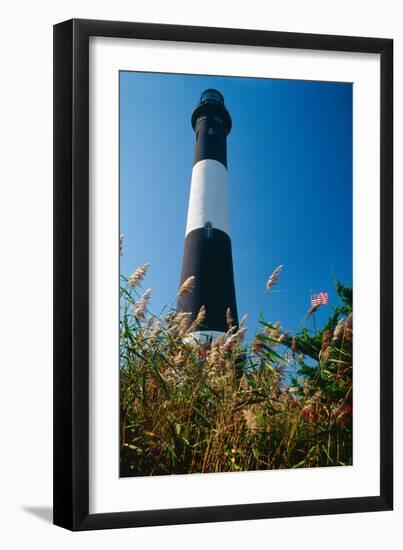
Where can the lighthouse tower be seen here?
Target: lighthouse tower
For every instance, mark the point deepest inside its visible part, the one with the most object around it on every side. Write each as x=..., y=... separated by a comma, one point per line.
x=208, y=253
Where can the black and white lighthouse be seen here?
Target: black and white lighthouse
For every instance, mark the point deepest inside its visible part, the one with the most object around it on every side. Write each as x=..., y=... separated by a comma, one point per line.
x=208, y=253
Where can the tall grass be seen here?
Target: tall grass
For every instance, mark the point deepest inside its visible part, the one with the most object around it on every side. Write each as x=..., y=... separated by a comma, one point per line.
x=191, y=405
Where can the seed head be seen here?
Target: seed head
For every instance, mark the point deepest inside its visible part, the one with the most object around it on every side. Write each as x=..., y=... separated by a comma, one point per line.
x=199, y=319
x=173, y=331
x=187, y=286
x=234, y=340
x=324, y=355
x=141, y=306
x=137, y=276
x=243, y=320
x=257, y=344
x=326, y=339
x=229, y=319
x=250, y=420
x=273, y=278
x=338, y=331
x=156, y=329
x=185, y=321
x=349, y=328
x=178, y=359
x=219, y=341
x=294, y=346
x=312, y=309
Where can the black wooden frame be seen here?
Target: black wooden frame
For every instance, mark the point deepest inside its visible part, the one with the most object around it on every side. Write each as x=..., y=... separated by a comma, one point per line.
x=71, y=274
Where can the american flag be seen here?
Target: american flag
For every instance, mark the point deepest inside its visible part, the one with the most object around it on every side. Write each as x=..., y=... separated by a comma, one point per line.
x=320, y=298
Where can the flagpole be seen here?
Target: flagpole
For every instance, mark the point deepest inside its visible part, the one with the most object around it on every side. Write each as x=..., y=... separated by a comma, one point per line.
x=313, y=313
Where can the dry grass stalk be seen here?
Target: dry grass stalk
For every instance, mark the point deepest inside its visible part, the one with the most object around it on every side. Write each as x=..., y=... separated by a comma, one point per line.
x=229, y=319
x=251, y=420
x=312, y=309
x=273, y=278
x=234, y=340
x=173, y=331
x=187, y=286
x=137, y=276
x=179, y=359
x=273, y=332
x=156, y=329
x=325, y=355
x=141, y=306
x=184, y=321
x=184, y=409
x=294, y=346
x=243, y=320
x=326, y=349
x=257, y=344
x=326, y=336
x=349, y=328
x=338, y=331
x=199, y=319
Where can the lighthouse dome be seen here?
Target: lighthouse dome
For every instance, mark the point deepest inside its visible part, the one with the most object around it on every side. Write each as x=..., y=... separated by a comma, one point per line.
x=213, y=95
x=212, y=104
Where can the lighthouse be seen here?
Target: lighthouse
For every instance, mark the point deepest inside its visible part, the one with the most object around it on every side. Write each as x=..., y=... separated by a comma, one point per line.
x=208, y=252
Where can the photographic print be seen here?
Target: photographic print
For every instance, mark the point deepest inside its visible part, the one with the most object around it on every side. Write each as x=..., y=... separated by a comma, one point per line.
x=236, y=280
x=223, y=202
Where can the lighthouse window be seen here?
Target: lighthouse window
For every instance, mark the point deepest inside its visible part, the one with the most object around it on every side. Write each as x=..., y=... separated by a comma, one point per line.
x=210, y=131
x=208, y=230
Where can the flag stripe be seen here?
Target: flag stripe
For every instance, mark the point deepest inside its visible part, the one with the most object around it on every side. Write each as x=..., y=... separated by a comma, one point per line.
x=320, y=298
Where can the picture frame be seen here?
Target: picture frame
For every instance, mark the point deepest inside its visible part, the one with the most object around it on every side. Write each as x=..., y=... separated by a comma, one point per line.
x=72, y=254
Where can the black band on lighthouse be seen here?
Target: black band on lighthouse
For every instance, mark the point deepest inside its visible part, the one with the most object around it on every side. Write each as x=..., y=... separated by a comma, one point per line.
x=208, y=256
x=212, y=123
x=211, y=142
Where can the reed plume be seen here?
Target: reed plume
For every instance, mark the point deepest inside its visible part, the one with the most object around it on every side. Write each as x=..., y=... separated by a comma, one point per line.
x=229, y=319
x=199, y=319
x=141, y=306
x=189, y=404
x=137, y=276
x=338, y=331
x=312, y=309
x=187, y=286
x=272, y=280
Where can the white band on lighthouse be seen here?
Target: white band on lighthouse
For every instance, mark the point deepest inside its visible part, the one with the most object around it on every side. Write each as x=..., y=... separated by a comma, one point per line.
x=208, y=201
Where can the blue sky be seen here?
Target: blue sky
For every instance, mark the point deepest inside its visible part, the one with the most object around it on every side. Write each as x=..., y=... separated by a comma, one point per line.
x=290, y=186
